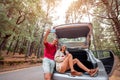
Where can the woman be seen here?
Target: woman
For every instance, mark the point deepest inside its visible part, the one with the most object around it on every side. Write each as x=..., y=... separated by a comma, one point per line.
x=64, y=61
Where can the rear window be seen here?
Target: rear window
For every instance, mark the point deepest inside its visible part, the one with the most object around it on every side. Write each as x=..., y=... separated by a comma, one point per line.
x=72, y=40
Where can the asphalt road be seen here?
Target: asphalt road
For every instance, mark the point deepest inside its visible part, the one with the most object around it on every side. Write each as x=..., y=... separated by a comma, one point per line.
x=32, y=73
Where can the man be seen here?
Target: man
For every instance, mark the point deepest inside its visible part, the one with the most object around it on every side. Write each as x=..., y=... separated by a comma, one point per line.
x=49, y=52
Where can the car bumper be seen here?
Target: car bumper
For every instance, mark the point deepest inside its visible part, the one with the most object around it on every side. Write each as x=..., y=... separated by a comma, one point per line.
x=58, y=76
x=100, y=76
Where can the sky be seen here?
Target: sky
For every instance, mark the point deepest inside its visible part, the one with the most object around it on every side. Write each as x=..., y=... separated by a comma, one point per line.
x=60, y=11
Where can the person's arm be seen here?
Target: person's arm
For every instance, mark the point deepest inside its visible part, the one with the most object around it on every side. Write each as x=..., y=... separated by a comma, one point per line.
x=67, y=52
x=58, y=58
x=46, y=35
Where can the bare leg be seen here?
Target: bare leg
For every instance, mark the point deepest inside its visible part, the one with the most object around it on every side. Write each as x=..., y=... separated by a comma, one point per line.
x=81, y=65
x=47, y=76
x=92, y=72
x=71, y=62
x=67, y=64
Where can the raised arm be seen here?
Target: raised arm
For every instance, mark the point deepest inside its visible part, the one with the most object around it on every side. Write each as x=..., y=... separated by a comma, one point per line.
x=46, y=35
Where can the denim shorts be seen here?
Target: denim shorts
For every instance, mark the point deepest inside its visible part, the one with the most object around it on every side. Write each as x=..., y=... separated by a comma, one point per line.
x=48, y=65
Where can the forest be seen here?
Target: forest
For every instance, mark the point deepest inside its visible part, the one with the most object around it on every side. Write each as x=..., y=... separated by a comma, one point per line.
x=23, y=23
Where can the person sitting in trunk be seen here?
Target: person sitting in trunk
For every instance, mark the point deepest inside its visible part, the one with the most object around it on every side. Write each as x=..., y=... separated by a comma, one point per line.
x=64, y=61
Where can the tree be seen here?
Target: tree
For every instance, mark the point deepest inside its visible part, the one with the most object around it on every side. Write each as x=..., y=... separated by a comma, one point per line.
x=49, y=9
x=103, y=14
x=19, y=29
x=113, y=13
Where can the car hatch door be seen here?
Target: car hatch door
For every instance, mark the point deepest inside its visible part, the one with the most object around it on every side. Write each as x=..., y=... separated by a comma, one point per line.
x=108, y=59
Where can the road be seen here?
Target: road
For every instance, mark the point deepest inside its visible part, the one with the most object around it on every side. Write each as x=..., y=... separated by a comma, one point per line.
x=32, y=73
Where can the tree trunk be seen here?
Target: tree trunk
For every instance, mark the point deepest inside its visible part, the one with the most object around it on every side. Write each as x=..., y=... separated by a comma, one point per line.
x=36, y=51
x=15, y=47
x=10, y=45
x=28, y=49
x=2, y=45
x=22, y=48
x=117, y=32
x=114, y=18
x=31, y=48
x=40, y=45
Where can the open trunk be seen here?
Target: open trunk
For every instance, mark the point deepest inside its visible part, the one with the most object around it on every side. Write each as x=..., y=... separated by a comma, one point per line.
x=75, y=31
x=82, y=55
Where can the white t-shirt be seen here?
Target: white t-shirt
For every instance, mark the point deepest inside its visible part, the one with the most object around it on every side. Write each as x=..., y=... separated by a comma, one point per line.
x=59, y=57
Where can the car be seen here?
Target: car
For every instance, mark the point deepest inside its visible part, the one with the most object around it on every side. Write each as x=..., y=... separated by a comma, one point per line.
x=78, y=38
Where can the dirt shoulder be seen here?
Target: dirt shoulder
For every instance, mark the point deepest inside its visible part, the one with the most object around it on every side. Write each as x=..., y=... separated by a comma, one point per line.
x=13, y=62
x=20, y=66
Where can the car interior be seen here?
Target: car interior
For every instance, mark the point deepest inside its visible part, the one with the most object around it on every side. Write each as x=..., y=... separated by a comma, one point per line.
x=72, y=32
x=83, y=57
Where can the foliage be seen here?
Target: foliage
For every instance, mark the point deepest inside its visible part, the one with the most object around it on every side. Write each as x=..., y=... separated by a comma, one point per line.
x=22, y=24
x=1, y=58
x=101, y=13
